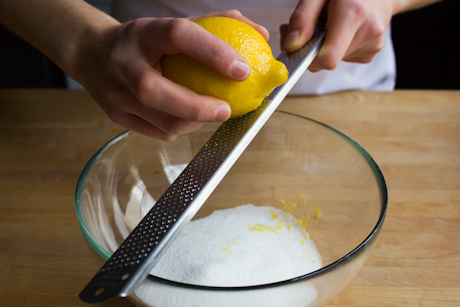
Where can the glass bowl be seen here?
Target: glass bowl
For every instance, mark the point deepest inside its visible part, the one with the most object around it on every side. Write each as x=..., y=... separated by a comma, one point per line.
x=296, y=164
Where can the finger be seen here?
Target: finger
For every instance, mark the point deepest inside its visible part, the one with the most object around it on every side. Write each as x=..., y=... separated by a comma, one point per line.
x=302, y=23
x=365, y=53
x=168, y=123
x=137, y=124
x=283, y=32
x=123, y=102
x=342, y=25
x=173, y=36
x=157, y=92
x=235, y=14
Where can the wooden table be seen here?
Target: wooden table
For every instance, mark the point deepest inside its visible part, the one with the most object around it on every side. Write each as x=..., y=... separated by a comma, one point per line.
x=47, y=136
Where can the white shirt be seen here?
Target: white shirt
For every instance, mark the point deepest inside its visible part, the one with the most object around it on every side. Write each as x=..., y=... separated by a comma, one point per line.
x=378, y=75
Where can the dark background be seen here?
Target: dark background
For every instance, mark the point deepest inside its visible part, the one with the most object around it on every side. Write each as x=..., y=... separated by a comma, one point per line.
x=426, y=41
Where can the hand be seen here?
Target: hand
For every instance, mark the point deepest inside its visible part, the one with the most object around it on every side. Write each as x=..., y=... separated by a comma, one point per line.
x=355, y=30
x=118, y=65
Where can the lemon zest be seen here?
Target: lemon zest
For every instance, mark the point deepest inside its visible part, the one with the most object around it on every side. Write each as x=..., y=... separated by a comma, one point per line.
x=318, y=214
x=278, y=175
x=260, y=227
x=303, y=199
x=226, y=250
x=275, y=217
x=287, y=217
x=278, y=227
x=303, y=221
x=285, y=205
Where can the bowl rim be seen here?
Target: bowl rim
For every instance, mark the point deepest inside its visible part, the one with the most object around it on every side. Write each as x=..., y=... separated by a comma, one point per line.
x=332, y=266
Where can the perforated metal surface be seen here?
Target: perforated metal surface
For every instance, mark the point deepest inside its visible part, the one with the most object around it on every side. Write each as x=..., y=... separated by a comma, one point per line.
x=137, y=255
x=152, y=229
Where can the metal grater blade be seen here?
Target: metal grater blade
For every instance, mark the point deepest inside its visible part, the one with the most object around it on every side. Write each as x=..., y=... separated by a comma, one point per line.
x=135, y=258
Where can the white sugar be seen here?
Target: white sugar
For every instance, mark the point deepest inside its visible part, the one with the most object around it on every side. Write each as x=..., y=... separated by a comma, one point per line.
x=243, y=246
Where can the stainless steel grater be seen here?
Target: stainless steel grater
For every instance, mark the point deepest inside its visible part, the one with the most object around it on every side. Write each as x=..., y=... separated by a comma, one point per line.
x=134, y=259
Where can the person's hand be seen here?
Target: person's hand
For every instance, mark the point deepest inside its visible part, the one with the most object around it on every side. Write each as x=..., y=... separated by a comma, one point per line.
x=118, y=65
x=355, y=30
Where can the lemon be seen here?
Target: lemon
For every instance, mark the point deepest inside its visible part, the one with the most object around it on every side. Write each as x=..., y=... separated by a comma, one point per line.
x=245, y=96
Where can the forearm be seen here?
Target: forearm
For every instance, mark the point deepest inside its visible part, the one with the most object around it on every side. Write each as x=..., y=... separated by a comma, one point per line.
x=407, y=5
x=57, y=28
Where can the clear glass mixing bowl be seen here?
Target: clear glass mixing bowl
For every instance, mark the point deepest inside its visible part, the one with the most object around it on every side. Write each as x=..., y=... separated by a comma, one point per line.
x=291, y=156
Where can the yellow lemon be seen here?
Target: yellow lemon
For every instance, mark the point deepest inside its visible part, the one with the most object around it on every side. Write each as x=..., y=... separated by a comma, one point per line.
x=245, y=96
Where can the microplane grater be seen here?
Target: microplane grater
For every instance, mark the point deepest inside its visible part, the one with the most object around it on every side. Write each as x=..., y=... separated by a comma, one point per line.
x=135, y=258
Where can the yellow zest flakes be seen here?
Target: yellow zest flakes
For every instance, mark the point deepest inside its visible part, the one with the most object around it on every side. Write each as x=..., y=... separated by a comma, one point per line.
x=303, y=221
x=275, y=217
x=285, y=206
x=287, y=217
x=226, y=216
x=318, y=214
x=235, y=243
x=262, y=228
x=307, y=236
x=183, y=234
x=211, y=232
x=302, y=242
x=278, y=227
x=303, y=199
x=288, y=205
x=259, y=227
x=289, y=227
x=278, y=175
x=226, y=250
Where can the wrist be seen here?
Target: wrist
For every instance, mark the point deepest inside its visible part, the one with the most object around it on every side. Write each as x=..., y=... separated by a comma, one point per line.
x=87, y=39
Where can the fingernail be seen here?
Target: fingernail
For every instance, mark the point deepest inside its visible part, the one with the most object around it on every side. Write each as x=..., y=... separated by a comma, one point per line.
x=222, y=113
x=291, y=39
x=240, y=70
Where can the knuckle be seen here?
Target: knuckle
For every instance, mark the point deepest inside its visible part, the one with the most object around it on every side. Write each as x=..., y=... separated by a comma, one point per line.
x=233, y=13
x=116, y=117
x=330, y=61
x=364, y=59
x=171, y=125
x=376, y=30
x=377, y=46
x=373, y=48
x=198, y=111
x=146, y=89
x=175, y=29
x=358, y=9
x=298, y=15
x=133, y=26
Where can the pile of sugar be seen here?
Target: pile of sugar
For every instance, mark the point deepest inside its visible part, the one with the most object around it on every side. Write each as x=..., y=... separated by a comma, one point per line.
x=242, y=246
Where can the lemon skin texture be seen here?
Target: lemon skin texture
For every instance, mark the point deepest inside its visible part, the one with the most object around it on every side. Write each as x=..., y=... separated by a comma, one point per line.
x=242, y=96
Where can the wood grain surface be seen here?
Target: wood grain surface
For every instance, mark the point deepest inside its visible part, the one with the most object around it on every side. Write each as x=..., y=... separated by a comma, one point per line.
x=47, y=137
